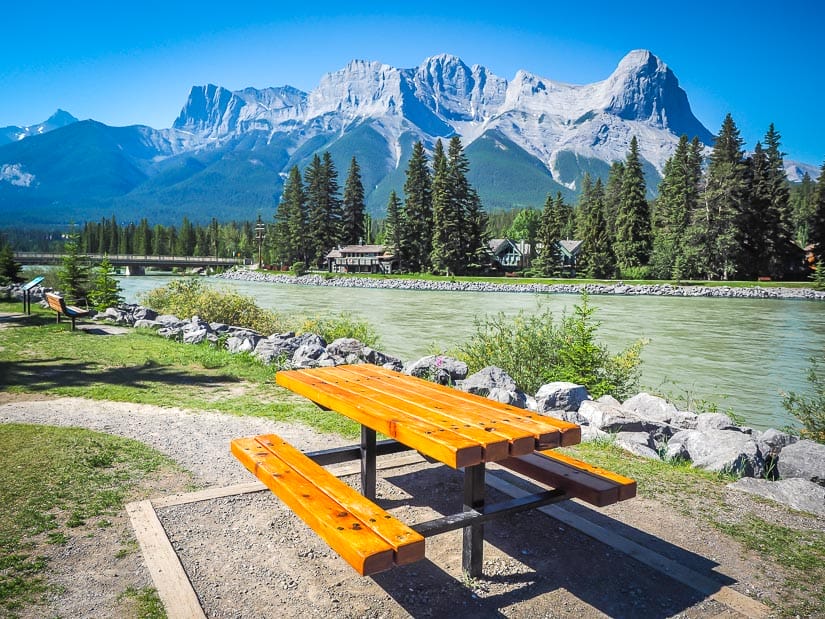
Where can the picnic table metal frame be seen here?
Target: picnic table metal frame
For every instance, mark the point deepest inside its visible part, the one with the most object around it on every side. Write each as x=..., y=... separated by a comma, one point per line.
x=475, y=511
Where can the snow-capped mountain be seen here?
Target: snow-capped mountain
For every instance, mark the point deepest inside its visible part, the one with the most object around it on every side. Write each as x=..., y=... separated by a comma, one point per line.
x=57, y=120
x=227, y=153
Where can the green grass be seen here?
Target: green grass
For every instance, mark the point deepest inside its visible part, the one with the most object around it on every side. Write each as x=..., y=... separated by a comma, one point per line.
x=54, y=482
x=146, y=602
x=40, y=356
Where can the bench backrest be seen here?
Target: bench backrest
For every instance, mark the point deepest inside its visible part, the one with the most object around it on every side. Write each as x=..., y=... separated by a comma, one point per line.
x=56, y=302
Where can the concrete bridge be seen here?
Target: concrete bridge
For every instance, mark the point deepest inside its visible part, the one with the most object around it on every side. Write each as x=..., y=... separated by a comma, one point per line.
x=133, y=264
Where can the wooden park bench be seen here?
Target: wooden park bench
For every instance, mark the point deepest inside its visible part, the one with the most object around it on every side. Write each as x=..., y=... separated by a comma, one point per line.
x=57, y=303
x=461, y=430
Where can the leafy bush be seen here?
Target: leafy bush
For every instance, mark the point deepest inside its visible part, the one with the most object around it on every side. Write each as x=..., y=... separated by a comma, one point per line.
x=298, y=268
x=189, y=297
x=810, y=411
x=534, y=349
x=636, y=273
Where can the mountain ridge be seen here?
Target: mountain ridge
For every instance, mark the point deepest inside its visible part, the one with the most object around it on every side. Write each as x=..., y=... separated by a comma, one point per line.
x=228, y=152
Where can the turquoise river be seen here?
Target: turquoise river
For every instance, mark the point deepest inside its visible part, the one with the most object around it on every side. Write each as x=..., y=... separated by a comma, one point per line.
x=738, y=354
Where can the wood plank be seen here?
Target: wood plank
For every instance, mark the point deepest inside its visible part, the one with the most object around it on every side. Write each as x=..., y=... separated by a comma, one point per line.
x=581, y=482
x=627, y=486
x=443, y=445
x=551, y=431
x=359, y=546
x=496, y=443
x=170, y=580
x=407, y=544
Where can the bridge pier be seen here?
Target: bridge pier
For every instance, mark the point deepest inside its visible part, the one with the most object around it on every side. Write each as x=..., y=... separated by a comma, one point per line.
x=135, y=269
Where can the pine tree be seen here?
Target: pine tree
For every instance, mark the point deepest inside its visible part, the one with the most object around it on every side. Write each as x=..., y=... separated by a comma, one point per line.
x=468, y=210
x=817, y=233
x=73, y=272
x=802, y=208
x=678, y=198
x=352, y=223
x=393, y=226
x=548, y=262
x=613, y=197
x=324, y=207
x=596, y=257
x=9, y=269
x=105, y=290
x=291, y=222
x=447, y=254
x=713, y=233
x=632, y=244
x=779, y=241
x=417, y=221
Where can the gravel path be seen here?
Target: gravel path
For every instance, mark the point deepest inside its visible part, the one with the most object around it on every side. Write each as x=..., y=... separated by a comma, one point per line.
x=197, y=441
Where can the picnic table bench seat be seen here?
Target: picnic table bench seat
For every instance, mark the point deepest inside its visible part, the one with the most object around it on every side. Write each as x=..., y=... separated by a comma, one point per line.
x=366, y=536
x=58, y=304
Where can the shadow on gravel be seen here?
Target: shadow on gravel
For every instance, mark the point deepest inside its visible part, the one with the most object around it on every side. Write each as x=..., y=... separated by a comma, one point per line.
x=543, y=557
x=60, y=372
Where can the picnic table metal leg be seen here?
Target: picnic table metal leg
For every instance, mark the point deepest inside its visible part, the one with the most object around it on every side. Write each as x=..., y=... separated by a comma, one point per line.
x=472, y=551
x=368, y=452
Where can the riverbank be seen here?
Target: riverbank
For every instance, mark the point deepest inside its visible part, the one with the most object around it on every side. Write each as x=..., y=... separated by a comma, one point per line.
x=618, y=288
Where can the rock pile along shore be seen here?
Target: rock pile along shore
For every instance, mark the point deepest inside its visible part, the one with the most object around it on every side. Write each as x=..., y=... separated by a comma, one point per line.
x=618, y=288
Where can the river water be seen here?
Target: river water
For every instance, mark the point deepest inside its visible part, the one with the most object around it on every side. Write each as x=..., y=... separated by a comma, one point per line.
x=739, y=354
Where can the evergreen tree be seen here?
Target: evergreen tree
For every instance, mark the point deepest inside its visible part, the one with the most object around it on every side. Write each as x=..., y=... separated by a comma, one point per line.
x=9, y=269
x=468, y=209
x=290, y=222
x=779, y=240
x=817, y=233
x=185, y=243
x=324, y=207
x=596, y=259
x=417, y=221
x=105, y=290
x=802, y=208
x=713, y=234
x=352, y=224
x=632, y=244
x=548, y=262
x=678, y=197
x=393, y=226
x=73, y=272
x=447, y=254
x=613, y=197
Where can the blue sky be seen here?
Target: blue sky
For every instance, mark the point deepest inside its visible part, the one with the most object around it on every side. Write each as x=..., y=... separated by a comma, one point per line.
x=121, y=65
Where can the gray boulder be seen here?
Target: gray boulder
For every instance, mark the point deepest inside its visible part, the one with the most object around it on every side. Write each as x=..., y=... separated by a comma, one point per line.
x=796, y=493
x=311, y=353
x=804, y=459
x=773, y=441
x=242, y=342
x=375, y=357
x=715, y=421
x=346, y=350
x=561, y=396
x=496, y=384
x=438, y=369
x=144, y=313
x=639, y=443
x=725, y=451
x=147, y=324
x=651, y=408
x=277, y=347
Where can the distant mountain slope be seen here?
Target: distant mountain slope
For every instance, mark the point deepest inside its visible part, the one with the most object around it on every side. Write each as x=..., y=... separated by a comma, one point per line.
x=227, y=153
x=13, y=134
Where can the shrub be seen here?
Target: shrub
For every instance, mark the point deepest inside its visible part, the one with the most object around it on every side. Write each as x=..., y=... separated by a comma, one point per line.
x=298, y=268
x=535, y=349
x=636, y=273
x=189, y=297
x=810, y=411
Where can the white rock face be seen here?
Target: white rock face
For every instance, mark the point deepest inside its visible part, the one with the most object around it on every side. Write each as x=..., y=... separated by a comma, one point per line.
x=444, y=96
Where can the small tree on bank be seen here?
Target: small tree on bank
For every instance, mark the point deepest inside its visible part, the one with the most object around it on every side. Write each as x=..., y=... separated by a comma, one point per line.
x=73, y=274
x=105, y=290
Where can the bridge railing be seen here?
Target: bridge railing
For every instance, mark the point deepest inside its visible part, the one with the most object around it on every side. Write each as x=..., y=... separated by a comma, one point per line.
x=136, y=259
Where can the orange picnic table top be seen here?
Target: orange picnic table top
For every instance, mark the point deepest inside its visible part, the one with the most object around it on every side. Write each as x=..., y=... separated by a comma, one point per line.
x=459, y=429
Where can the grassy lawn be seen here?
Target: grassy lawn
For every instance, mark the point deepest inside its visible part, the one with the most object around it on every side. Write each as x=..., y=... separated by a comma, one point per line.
x=86, y=477
x=43, y=357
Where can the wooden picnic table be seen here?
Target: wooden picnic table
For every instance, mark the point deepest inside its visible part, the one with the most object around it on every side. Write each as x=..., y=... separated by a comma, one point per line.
x=461, y=430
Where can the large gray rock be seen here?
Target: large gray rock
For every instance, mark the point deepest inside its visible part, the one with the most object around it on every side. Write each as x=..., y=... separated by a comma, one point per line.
x=726, y=451
x=773, y=441
x=804, y=459
x=144, y=313
x=311, y=354
x=278, y=347
x=639, y=443
x=147, y=324
x=796, y=493
x=561, y=396
x=659, y=411
x=496, y=384
x=346, y=350
x=242, y=342
x=438, y=369
x=715, y=421
x=608, y=417
x=375, y=357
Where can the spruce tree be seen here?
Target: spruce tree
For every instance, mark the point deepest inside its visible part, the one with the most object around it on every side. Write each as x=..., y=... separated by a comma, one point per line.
x=352, y=223
x=613, y=196
x=779, y=240
x=471, y=220
x=73, y=273
x=291, y=222
x=548, y=262
x=105, y=290
x=596, y=257
x=713, y=234
x=632, y=244
x=447, y=254
x=9, y=269
x=417, y=221
x=817, y=225
x=324, y=207
x=802, y=208
x=393, y=225
x=678, y=197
